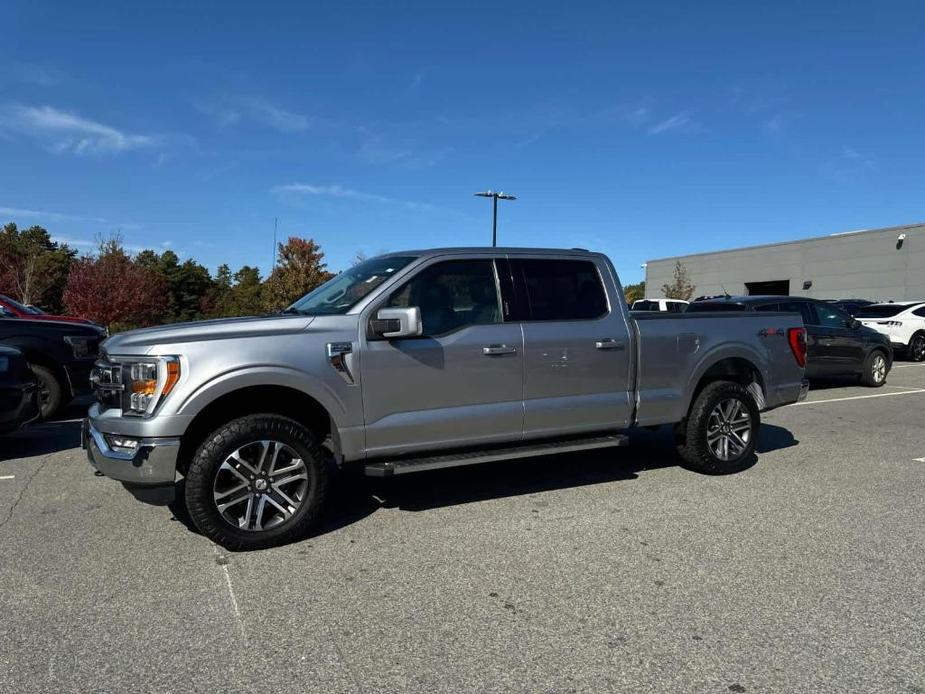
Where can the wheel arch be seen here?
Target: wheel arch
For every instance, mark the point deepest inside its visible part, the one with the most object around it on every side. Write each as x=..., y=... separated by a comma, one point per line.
x=257, y=399
x=737, y=367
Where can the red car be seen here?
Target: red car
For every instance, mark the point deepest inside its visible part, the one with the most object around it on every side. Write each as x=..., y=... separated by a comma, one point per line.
x=13, y=309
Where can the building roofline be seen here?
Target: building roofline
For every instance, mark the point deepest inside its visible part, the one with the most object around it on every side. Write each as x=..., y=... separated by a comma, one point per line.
x=916, y=225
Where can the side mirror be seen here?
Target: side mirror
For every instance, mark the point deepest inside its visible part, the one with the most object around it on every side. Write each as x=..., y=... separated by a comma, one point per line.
x=397, y=322
x=853, y=323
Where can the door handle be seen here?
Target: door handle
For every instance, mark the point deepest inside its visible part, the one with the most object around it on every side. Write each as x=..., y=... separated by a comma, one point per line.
x=493, y=350
x=609, y=343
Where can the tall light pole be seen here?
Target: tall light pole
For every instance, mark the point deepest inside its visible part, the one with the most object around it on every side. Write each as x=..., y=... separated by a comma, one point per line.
x=494, y=210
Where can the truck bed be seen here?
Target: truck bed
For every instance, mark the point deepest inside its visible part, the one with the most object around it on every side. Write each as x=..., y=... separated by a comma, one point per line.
x=676, y=350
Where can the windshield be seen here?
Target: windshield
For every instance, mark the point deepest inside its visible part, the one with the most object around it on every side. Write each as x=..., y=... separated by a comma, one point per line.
x=880, y=311
x=340, y=294
x=20, y=307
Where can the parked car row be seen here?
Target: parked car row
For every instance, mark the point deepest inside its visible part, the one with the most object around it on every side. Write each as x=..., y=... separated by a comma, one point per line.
x=46, y=360
x=837, y=344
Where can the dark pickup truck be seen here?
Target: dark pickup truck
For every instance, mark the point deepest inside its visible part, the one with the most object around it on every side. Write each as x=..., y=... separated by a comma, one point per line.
x=61, y=356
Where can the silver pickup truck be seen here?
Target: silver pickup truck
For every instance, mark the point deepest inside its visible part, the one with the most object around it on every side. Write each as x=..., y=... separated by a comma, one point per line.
x=420, y=360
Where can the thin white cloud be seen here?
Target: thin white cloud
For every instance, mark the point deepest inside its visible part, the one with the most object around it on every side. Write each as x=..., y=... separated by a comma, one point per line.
x=336, y=191
x=67, y=132
x=332, y=191
x=54, y=216
x=677, y=122
x=229, y=111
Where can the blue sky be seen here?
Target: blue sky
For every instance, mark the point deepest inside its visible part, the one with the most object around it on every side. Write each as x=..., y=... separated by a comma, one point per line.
x=643, y=130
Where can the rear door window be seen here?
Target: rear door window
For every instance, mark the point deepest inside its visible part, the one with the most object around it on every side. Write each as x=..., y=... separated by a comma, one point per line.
x=561, y=290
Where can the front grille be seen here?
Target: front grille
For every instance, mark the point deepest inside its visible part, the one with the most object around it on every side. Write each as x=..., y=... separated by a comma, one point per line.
x=107, y=385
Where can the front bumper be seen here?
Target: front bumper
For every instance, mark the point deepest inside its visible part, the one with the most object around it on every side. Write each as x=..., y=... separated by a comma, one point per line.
x=153, y=463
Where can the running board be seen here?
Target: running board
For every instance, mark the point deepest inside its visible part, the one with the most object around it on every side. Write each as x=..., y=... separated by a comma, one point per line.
x=528, y=450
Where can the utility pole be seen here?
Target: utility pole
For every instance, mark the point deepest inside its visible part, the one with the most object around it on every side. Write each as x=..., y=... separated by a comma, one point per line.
x=494, y=210
x=275, y=223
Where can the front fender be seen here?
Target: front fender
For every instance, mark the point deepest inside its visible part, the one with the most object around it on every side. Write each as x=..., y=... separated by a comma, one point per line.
x=266, y=375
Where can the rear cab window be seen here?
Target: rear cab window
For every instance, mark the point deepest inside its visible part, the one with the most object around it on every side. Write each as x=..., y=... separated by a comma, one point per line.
x=556, y=289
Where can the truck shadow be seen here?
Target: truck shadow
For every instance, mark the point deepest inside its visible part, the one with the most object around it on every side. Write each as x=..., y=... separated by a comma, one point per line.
x=354, y=497
x=359, y=496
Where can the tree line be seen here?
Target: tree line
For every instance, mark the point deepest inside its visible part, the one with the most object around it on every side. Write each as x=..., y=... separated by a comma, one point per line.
x=122, y=290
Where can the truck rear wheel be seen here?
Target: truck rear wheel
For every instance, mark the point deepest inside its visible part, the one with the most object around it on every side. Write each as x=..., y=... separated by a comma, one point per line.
x=256, y=482
x=721, y=430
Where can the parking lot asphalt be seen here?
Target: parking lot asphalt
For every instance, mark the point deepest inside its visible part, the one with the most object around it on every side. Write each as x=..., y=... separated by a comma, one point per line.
x=608, y=571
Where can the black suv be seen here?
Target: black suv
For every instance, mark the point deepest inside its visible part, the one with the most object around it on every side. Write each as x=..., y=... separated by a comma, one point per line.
x=837, y=344
x=61, y=356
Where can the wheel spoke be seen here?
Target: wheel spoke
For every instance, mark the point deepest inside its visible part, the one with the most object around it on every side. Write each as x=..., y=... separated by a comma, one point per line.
x=272, y=466
x=295, y=464
x=301, y=476
x=234, y=502
x=264, y=449
x=258, y=517
x=282, y=509
x=221, y=495
x=285, y=497
x=236, y=457
x=233, y=470
x=245, y=520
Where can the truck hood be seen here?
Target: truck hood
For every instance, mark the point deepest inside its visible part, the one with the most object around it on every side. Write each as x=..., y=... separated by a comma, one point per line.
x=140, y=341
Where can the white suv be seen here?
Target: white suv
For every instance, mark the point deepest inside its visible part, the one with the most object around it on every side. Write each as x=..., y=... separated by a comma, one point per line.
x=669, y=305
x=903, y=322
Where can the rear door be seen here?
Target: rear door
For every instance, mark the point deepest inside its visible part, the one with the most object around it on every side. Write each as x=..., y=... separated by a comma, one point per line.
x=576, y=346
x=842, y=346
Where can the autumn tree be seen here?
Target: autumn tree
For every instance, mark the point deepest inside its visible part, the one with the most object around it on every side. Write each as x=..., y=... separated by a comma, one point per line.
x=634, y=292
x=299, y=268
x=33, y=268
x=680, y=287
x=187, y=283
x=112, y=289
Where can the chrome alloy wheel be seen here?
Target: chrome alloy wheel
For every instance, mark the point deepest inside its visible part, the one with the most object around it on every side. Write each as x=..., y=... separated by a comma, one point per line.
x=878, y=368
x=729, y=429
x=260, y=486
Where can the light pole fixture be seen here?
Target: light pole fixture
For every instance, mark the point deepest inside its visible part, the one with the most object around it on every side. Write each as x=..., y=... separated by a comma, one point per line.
x=494, y=210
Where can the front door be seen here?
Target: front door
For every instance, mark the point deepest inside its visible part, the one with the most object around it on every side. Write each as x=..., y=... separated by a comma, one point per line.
x=577, y=348
x=461, y=383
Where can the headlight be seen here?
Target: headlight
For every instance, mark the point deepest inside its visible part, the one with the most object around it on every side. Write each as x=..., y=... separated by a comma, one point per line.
x=80, y=345
x=149, y=382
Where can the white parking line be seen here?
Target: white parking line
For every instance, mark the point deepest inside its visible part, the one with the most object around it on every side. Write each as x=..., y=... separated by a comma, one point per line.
x=907, y=366
x=859, y=397
x=918, y=460
x=7, y=477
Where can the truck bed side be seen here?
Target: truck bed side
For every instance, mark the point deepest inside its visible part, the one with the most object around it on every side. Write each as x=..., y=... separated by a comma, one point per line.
x=678, y=352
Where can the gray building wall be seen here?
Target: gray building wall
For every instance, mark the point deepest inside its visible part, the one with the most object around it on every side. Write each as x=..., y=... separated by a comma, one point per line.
x=859, y=264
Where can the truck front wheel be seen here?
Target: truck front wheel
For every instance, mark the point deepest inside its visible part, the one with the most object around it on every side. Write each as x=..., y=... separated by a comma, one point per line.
x=721, y=430
x=256, y=482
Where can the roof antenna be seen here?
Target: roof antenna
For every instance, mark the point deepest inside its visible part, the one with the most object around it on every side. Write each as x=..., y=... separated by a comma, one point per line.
x=725, y=293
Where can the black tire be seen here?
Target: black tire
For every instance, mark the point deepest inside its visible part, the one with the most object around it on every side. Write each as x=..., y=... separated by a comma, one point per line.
x=875, y=369
x=916, y=351
x=51, y=390
x=230, y=438
x=694, y=447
